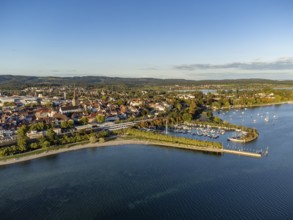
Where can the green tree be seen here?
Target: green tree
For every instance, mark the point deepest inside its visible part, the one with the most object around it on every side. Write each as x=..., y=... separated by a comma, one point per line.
x=187, y=117
x=40, y=126
x=34, y=146
x=48, y=104
x=210, y=115
x=178, y=106
x=192, y=107
x=66, y=124
x=93, y=139
x=101, y=140
x=44, y=143
x=51, y=136
x=9, y=104
x=84, y=120
x=100, y=118
x=22, y=139
x=278, y=98
x=217, y=120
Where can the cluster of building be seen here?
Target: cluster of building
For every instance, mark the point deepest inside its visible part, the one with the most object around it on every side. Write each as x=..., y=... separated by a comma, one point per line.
x=27, y=109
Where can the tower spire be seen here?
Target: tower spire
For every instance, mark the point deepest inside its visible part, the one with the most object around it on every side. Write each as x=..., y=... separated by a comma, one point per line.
x=75, y=98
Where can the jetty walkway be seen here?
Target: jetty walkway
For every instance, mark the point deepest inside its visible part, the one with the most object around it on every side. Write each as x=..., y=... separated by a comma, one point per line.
x=242, y=153
x=203, y=149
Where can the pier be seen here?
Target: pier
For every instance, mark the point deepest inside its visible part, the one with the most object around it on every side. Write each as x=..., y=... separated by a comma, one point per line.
x=211, y=150
x=242, y=153
x=204, y=149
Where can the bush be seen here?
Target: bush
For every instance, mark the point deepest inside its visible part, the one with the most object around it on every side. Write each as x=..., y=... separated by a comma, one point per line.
x=34, y=146
x=101, y=140
x=93, y=139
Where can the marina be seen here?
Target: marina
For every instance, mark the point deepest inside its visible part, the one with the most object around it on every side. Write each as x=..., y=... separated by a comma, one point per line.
x=198, y=131
x=205, y=133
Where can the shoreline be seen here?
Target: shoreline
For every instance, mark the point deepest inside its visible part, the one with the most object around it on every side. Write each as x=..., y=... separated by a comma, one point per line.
x=118, y=142
x=64, y=149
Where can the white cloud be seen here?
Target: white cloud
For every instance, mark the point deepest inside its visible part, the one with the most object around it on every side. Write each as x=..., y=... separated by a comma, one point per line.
x=280, y=64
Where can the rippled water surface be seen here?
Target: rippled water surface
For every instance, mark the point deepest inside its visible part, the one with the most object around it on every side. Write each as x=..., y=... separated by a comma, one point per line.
x=150, y=182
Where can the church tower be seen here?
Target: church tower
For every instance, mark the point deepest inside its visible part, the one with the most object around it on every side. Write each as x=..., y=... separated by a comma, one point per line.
x=75, y=98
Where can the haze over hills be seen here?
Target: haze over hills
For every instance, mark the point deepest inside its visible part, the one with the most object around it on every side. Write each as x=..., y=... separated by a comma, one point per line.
x=16, y=81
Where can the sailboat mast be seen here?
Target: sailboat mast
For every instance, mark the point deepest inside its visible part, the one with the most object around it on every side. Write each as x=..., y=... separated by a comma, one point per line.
x=166, y=127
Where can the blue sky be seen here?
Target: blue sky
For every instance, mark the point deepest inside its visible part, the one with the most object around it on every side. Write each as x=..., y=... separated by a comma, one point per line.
x=191, y=39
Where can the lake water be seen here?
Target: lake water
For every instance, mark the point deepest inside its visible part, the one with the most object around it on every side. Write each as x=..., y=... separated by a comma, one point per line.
x=150, y=182
x=204, y=91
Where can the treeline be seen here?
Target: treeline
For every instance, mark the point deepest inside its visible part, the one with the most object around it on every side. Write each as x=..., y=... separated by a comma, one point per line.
x=14, y=81
x=173, y=139
x=246, y=98
x=24, y=144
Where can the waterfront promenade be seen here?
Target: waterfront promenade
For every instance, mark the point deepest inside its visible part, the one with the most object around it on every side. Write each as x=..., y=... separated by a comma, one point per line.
x=122, y=141
x=211, y=150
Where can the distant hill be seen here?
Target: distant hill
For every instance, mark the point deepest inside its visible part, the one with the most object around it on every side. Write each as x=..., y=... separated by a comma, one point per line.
x=13, y=81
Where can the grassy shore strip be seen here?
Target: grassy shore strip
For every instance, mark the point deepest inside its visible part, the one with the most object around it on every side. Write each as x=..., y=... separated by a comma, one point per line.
x=196, y=148
x=173, y=139
x=119, y=141
x=173, y=145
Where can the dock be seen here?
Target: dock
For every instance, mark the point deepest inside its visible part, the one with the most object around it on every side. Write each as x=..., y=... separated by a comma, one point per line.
x=242, y=153
x=203, y=149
